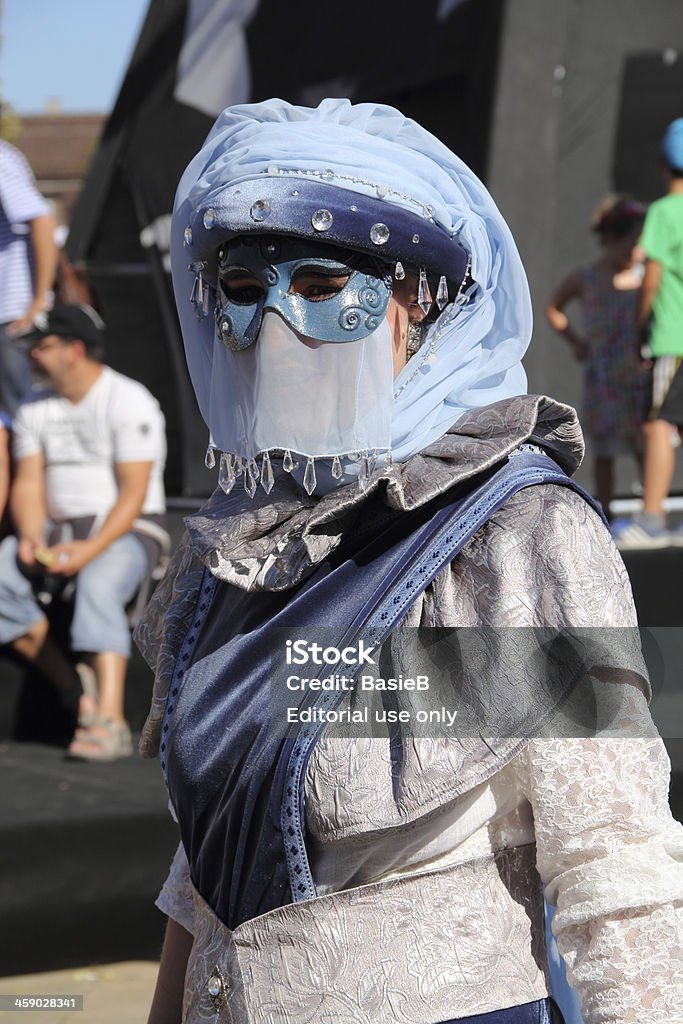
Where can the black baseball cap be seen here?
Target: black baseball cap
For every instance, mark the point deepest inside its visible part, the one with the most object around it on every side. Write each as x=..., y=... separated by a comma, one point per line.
x=78, y=323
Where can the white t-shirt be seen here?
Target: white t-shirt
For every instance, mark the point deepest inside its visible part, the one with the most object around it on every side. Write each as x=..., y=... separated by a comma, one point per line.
x=118, y=420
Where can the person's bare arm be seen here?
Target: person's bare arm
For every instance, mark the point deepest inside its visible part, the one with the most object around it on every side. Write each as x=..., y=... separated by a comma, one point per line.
x=132, y=478
x=652, y=280
x=28, y=505
x=167, y=1004
x=45, y=265
x=571, y=288
x=4, y=469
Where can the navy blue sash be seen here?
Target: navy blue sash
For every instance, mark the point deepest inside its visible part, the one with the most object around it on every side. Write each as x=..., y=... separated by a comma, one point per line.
x=236, y=784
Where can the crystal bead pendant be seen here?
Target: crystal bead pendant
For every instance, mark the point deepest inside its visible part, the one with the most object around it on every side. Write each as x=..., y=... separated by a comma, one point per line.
x=288, y=461
x=267, y=478
x=336, y=468
x=250, y=481
x=442, y=293
x=424, y=295
x=365, y=472
x=309, y=476
x=199, y=296
x=399, y=272
x=210, y=458
x=226, y=473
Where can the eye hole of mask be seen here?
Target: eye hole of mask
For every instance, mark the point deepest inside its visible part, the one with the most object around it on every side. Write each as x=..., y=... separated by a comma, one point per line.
x=316, y=285
x=242, y=288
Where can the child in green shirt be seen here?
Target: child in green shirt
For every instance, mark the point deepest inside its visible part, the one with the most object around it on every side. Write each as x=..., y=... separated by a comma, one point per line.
x=661, y=306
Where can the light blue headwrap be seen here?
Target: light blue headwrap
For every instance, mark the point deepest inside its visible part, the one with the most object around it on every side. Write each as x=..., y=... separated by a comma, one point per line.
x=472, y=355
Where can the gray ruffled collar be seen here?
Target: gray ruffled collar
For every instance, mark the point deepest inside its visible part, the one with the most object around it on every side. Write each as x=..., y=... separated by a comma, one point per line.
x=272, y=542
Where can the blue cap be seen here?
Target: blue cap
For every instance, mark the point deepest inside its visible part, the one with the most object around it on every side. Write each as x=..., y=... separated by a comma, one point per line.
x=672, y=144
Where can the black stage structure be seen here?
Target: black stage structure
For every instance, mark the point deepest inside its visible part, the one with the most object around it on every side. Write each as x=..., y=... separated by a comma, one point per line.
x=554, y=105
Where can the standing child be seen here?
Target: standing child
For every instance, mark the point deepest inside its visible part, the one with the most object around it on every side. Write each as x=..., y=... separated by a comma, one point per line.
x=660, y=313
x=614, y=383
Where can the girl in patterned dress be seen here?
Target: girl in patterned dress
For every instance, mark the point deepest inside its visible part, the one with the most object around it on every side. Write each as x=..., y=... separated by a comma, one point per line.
x=614, y=380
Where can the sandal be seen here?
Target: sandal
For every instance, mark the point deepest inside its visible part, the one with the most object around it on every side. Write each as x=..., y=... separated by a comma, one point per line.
x=86, y=719
x=104, y=741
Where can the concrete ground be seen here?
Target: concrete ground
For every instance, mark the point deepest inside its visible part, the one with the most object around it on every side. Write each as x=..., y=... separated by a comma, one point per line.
x=112, y=994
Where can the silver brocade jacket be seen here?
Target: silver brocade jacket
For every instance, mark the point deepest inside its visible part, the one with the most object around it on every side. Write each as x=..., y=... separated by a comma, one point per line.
x=430, y=905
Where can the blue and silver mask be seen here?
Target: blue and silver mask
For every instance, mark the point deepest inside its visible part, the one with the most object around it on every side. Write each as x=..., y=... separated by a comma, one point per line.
x=322, y=292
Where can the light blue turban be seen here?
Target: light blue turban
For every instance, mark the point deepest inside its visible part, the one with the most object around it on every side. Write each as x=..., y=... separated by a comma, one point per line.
x=471, y=356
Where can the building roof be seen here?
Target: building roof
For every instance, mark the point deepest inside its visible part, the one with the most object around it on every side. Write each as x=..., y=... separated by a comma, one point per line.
x=59, y=146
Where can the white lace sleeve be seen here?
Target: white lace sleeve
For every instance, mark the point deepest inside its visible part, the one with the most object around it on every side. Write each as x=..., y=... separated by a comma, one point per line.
x=611, y=856
x=175, y=899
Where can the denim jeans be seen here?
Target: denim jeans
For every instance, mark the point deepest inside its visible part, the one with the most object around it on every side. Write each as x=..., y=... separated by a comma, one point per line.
x=16, y=375
x=103, y=589
x=528, y=1013
x=565, y=997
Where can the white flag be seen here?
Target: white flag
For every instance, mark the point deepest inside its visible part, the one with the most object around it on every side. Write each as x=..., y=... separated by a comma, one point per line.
x=213, y=65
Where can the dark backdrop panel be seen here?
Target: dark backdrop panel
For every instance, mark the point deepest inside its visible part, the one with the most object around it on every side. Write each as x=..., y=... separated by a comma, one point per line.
x=651, y=97
x=564, y=120
x=442, y=73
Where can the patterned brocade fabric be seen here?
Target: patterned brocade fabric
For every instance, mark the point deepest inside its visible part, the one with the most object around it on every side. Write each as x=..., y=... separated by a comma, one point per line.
x=421, y=950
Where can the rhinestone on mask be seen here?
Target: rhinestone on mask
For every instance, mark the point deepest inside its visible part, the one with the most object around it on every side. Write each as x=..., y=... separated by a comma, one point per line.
x=187, y=235
x=379, y=234
x=260, y=210
x=209, y=218
x=322, y=220
x=225, y=328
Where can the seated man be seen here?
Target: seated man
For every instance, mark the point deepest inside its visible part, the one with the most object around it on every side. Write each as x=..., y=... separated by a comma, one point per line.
x=89, y=466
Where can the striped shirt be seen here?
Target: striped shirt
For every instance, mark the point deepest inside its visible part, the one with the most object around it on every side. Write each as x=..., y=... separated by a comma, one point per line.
x=20, y=203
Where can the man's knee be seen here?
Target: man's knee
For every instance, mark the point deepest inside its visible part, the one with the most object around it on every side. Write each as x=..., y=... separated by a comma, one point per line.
x=116, y=574
x=19, y=610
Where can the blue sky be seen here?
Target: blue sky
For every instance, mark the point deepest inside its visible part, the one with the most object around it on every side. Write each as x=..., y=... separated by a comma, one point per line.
x=75, y=51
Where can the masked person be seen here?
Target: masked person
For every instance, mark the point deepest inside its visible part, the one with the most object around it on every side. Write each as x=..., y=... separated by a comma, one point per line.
x=354, y=313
